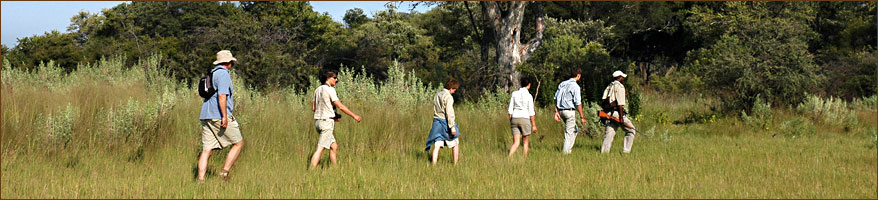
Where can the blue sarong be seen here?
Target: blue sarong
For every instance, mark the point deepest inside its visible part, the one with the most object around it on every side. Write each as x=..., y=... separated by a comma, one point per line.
x=440, y=132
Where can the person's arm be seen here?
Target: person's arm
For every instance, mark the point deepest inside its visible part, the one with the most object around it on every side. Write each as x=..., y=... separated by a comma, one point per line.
x=531, y=112
x=581, y=116
x=533, y=124
x=577, y=100
x=224, y=113
x=511, y=102
x=621, y=100
x=557, y=115
x=449, y=114
x=313, y=106
x=223, y=82
x=345, y=109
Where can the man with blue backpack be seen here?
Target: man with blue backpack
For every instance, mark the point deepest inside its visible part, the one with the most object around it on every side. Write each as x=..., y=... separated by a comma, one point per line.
x=219, y=127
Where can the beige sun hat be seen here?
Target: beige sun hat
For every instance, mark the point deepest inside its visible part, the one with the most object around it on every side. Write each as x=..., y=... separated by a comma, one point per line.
x=224, y=56
x=619, y=73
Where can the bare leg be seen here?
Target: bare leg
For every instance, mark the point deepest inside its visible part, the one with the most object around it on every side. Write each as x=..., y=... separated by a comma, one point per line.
x=202, y=164
x=233, y=155
x=526, y=145
x=435, y=154
x=516, y=139
x=456, y=152
x=333, y=153
x=316, y=157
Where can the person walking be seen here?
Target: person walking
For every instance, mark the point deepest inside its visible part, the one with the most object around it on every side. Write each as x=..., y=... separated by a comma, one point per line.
x=568, y=98
x=219, y=129
x=325, y=100
x=444, y=132
x=615, y=95
x=521, y=117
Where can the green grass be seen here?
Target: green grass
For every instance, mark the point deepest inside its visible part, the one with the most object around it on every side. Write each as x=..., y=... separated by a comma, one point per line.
x=383, y=157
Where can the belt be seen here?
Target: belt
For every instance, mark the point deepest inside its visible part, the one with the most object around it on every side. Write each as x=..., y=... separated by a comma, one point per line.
x=559, y=109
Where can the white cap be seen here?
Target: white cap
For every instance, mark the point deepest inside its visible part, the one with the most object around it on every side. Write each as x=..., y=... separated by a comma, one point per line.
x=619, y=73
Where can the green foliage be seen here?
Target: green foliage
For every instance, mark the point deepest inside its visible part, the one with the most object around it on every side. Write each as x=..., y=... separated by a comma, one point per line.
x=56, y=46
x=851, y=74
x=865, y=103
x=761, y=115
x=756, y=48
x=832, y=111
x=59, y=126
x=738, y=50
x=354, y=17
x=797, y=127
x=572, y=44
x=678, y=83
x=391, y=37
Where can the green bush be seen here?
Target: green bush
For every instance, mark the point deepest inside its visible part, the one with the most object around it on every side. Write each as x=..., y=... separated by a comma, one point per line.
x=797, y=127
x=59, y=126
x=832, y=111
x=679, y=82
x=760, y=115
x=864, y=103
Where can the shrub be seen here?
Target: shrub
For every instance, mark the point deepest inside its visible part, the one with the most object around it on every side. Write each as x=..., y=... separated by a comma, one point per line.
x=133, y=120
x=678, y=83
x=760, y=115
x=590, y=110
x=797, y=127
x=832, y=111
x=864, y=103
x=59, y=126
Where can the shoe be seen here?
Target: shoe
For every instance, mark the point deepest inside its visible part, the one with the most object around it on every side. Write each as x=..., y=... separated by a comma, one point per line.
x=224, y=174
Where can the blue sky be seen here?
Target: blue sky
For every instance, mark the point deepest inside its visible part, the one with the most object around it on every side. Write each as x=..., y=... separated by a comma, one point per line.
x=20, y=19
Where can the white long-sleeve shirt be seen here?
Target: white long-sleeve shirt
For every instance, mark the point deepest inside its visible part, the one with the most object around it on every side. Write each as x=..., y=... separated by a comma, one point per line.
x=521, y=104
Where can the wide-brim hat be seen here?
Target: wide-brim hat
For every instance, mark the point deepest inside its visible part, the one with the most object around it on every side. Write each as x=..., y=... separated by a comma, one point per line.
x=619, y=73
x=224, y=56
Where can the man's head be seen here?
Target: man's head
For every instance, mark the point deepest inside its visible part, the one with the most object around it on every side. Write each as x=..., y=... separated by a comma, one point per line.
x=525, y=82
x=225, y=59
x=329, y=78
x=576, y=73
x=618, y=75
x=452, y=85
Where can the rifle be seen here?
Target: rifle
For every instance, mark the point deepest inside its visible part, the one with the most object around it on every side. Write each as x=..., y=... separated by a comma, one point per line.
x=604, y=115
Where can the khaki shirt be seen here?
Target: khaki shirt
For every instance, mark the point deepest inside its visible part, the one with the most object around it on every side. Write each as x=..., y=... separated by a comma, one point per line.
x=443, y=107
x=323, y=98
x=616, y=92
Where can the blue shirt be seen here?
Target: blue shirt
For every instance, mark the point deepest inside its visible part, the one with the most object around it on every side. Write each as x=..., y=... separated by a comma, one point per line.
x=222, y=81
x=567, y=96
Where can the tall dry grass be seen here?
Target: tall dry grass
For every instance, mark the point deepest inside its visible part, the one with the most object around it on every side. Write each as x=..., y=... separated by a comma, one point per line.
x=113, y=131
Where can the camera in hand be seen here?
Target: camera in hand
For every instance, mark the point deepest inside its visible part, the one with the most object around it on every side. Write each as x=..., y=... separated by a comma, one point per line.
x=337, y=116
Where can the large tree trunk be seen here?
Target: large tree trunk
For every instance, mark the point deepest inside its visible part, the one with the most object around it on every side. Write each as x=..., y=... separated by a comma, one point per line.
x=505, y=18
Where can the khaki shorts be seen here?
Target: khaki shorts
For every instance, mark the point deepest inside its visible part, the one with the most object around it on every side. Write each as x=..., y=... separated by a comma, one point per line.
x=447, y=143
x=214, y=137
x=325, y=127
x=520, y=126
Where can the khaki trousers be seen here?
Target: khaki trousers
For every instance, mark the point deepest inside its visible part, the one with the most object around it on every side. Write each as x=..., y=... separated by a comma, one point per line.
x=611, y=132
x=569, y=119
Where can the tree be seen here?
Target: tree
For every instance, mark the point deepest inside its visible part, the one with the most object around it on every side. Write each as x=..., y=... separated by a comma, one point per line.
x=505, y=19
x=756, y=49
x=354, y=17
x=53, y=45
